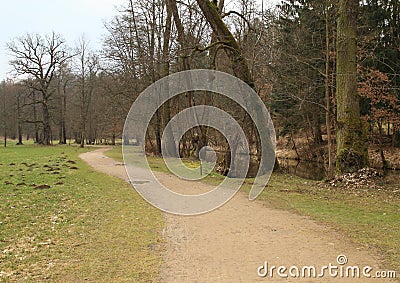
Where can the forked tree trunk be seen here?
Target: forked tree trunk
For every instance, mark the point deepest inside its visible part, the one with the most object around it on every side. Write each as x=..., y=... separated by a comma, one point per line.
x=352, y=148
x=235, y=54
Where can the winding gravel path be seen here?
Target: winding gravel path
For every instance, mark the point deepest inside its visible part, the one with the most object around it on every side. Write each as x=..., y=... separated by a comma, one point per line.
x=230, y=243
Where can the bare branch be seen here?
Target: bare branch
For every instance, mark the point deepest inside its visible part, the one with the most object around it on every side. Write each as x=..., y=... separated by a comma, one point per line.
x=240, y=15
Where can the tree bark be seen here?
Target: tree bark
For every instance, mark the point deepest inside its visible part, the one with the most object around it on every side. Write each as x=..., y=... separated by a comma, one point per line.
x=184, y=43
x=169, y=146
x=4, y=114
x=381, y=152
x=19, y=124
x=352, y=147
x=327, y=90
x=46, y=124
x=82, y=50
x=35, y=117
x=63, y=132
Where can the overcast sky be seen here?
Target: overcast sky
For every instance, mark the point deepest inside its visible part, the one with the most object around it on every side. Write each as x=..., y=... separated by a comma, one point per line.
x=71, y=18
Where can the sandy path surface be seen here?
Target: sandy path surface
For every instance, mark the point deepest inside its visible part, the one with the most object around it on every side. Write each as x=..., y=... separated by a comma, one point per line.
x=230, y=243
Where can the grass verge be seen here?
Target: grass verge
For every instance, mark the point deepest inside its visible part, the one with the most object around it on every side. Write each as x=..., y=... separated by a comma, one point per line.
x=61, y=221
x=368, y=216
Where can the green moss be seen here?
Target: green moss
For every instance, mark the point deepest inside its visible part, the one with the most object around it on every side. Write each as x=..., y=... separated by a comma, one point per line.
x=352, y=152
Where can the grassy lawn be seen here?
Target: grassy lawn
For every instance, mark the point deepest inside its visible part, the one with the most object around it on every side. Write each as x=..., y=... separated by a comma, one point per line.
x=61, y=221
x=367, y=216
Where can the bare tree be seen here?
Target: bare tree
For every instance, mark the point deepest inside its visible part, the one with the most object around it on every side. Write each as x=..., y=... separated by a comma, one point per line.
x=87, y=66
x=20, y=96
x=2, y=88
x=38, y=58
x=64, y=78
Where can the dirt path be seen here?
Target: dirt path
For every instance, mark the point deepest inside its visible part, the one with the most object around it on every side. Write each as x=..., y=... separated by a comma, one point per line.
x=230, y=243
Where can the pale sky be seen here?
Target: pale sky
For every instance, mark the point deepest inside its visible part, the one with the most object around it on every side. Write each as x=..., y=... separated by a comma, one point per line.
x=70, y=18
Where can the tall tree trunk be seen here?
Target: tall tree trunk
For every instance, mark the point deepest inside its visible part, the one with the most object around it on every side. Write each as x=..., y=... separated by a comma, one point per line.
x=46, y=124
x=83, y=92
x=19, y=125
x=381, y=152
x=185, y=47
x=184, y=54
x=63, y=132
x=83, y=115
x=35, y=117
x=4, y=115
x=19, y=134
x=327, y=90
x=169, y=145
x=158, y=132
x=352, y=147
x=113, y=139
x=5, y=135
x=153, y=77
x=82, y=138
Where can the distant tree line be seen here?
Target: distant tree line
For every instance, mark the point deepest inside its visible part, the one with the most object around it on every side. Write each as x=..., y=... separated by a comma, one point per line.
x=60, y=94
